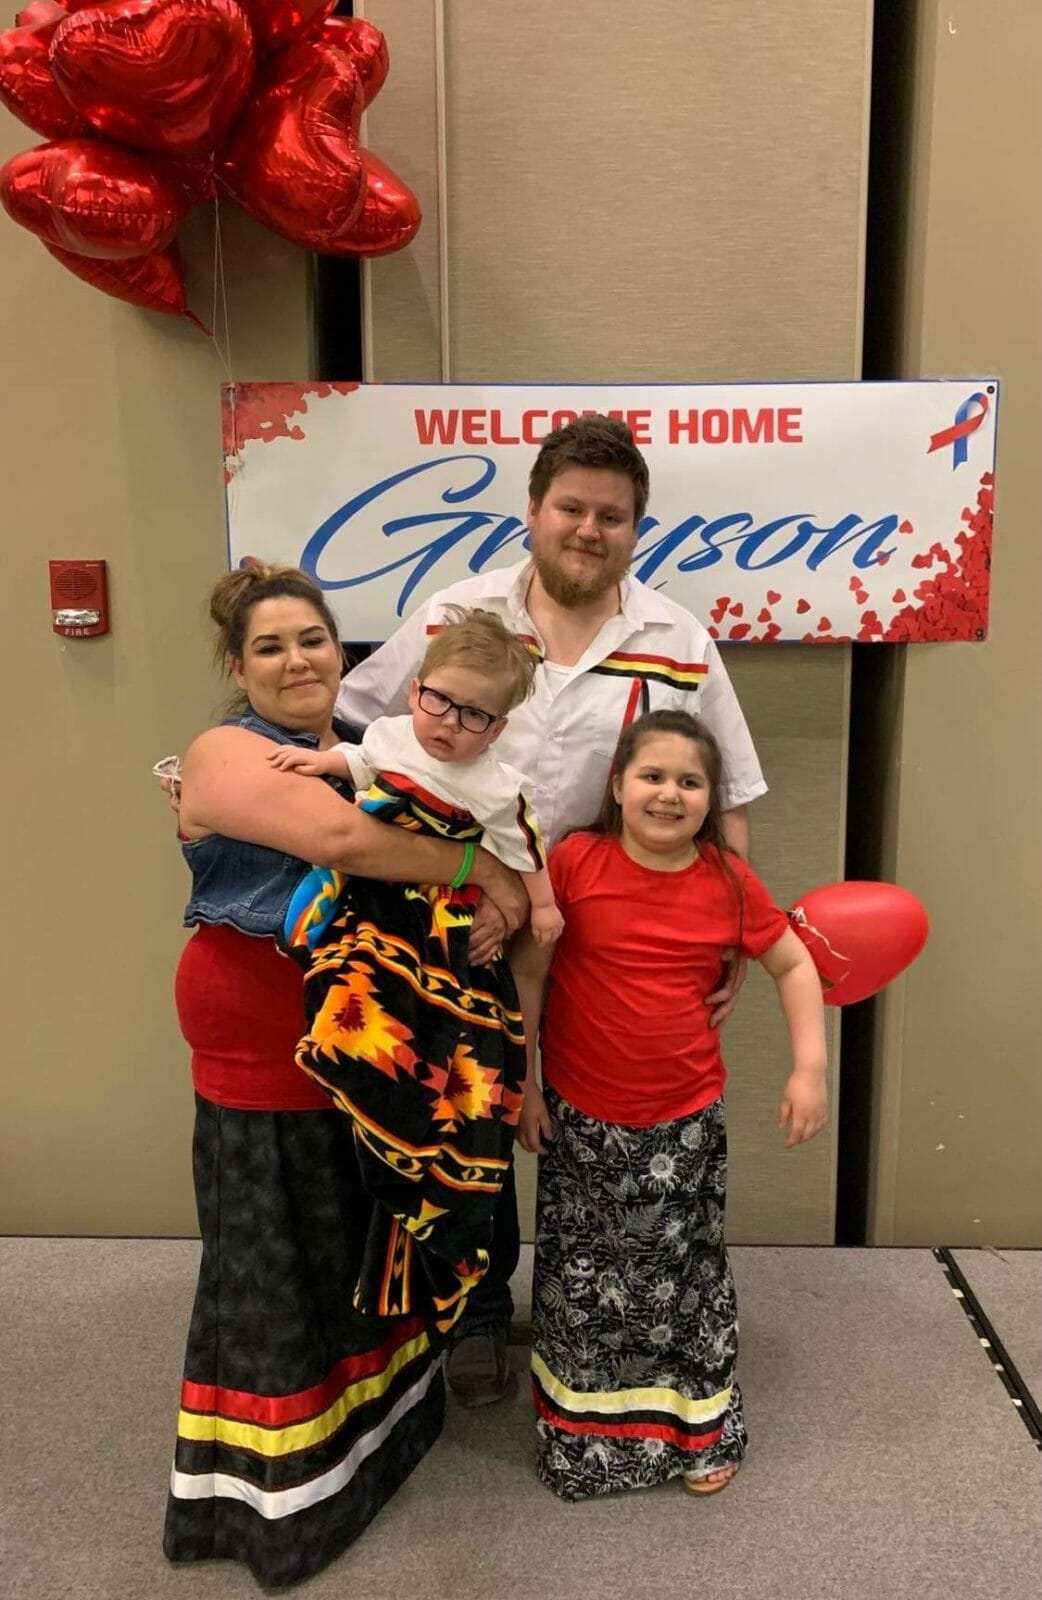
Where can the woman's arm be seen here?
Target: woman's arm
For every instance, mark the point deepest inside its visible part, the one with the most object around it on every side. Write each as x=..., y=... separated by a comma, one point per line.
x=229, y=786
x=530, y=964
x=804, y=1103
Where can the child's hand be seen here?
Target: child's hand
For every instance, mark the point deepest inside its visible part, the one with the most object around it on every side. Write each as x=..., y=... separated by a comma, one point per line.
x=535, y=1128
x=309, y=763
x=547, y=924
x=724, y=997
x=804, y=1105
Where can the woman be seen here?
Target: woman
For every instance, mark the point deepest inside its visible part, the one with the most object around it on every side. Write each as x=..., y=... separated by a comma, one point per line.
x=299, y=1416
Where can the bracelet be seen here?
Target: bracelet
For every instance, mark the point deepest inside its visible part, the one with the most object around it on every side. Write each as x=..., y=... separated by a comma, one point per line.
x=465, y=866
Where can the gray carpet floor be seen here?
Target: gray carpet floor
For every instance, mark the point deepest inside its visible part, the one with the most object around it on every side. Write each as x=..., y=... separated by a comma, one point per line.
x=1008, y=1285
x=886, y=1459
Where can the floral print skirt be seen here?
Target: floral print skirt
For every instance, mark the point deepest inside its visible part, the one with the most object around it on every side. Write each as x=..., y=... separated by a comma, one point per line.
x=635, y=1328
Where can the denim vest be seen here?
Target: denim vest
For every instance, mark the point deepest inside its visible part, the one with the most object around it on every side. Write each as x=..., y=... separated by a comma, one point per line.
x=247, y=886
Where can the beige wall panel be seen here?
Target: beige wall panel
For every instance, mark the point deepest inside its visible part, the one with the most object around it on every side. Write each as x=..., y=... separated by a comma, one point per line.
x=961, y=1089
x=796, y=700
x=663, y=194
x=110, y=422
x=403, y=314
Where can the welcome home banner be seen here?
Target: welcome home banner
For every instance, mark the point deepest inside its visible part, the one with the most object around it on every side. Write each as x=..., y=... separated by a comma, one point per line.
x=815, y=512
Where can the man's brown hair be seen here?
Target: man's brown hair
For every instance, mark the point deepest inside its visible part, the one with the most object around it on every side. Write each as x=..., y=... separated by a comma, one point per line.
x=591, y=441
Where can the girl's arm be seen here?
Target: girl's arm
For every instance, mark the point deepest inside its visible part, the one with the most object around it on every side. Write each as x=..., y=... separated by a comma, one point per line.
x=530, y=964
x=229, y=786
x=804, y=1105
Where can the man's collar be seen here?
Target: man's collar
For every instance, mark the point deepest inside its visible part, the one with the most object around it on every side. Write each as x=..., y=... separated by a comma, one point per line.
x=517, y=594
x=641, y=604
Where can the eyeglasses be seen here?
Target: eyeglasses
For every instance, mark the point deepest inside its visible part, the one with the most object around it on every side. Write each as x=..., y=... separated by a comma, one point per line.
x=471, y=718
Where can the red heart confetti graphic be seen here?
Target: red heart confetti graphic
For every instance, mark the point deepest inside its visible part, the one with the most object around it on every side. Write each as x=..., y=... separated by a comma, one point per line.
x=899, y=596
x=764, y=615
x=773, y=597
x=802, y=606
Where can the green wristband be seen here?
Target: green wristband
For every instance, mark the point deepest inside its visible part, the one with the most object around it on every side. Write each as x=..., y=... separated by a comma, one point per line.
x=465, y=866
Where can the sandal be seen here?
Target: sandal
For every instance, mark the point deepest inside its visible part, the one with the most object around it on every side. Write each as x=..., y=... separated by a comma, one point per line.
x=700, y=1486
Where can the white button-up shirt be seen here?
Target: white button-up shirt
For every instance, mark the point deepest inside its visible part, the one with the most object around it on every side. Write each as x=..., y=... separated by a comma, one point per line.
x=651, y=655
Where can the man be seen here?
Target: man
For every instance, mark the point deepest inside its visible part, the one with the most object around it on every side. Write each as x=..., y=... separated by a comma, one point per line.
x=609, y=648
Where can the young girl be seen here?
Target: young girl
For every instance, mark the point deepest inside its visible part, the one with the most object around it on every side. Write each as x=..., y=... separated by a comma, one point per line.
x=634, y=1318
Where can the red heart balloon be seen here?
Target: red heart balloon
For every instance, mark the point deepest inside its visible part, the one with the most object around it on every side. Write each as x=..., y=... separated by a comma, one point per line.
x=293, y=161
x=162, y=75
x=27, y=85
x=68, y=6
x=38, y=9
x=365, y=45
x=879, y=928
x=154, y=281
x=276, y=23
x=390, y=216
x=92, y=198
x=194, y=179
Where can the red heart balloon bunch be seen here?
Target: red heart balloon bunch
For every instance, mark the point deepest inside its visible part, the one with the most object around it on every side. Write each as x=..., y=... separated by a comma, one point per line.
x=151, y=105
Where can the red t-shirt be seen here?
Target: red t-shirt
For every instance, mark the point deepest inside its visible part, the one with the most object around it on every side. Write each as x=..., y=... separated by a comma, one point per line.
x=241, y=1008
x=626, y=1035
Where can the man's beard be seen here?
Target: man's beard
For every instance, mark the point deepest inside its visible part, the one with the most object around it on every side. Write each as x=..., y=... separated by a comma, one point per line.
x=572, y=592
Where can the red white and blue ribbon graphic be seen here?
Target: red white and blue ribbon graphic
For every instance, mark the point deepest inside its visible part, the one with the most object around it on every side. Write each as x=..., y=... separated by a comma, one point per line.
x=967, y=421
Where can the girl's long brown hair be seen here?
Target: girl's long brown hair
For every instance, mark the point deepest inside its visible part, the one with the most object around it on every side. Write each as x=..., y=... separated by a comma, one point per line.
x=609, y=818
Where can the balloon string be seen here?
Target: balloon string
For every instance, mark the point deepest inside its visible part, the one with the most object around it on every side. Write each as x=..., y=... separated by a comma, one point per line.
x=220, y=288
x=799, y=916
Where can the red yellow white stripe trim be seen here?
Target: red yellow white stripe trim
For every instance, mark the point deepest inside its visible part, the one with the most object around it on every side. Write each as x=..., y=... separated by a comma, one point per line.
x=275, y=1503
x=211, y=1427
x=619, y=1402
x=628, y=664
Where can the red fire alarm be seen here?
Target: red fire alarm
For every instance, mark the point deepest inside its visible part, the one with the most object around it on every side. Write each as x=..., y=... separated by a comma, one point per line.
x=79, y=599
